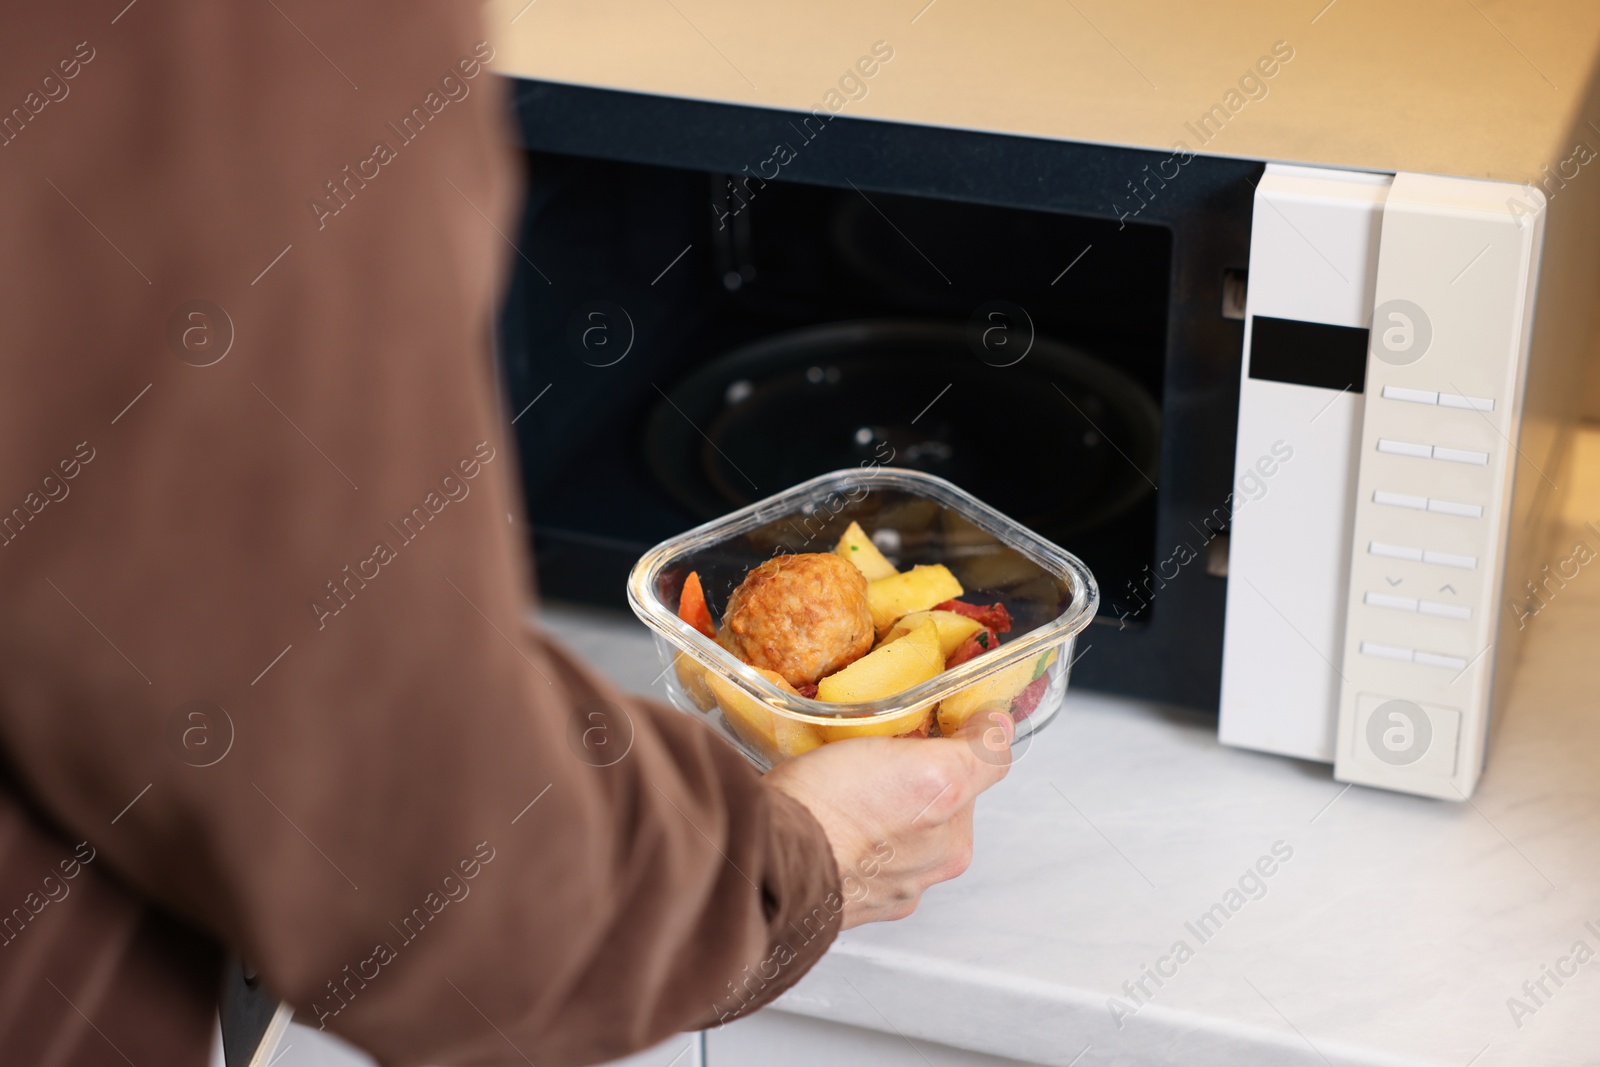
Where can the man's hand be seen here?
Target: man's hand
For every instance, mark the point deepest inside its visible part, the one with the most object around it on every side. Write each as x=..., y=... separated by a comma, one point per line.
x=898, y=811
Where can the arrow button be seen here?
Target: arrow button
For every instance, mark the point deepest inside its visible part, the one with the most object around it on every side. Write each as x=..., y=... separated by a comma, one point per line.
x=1393, y=581
x=1448, y=588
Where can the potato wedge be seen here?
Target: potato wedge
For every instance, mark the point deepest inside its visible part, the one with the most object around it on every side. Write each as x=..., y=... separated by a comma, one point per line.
x=892, y=727
x=995, y=692
x=793, y=737
x=884, y=672
x=917, y=589
x=858, y=548
x=777, y=736
x=887, y=670
x=692, y=677
x=953, y=628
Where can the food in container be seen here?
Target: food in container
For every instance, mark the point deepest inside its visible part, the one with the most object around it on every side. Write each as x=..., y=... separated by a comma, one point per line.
x=867, y=602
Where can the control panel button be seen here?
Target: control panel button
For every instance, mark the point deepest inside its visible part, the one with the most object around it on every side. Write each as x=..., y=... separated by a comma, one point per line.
x=1451, y=507
x=1383, y=548
x=1460, y=455
x=1444, y=611
x=1393, y=732
x=1450, y=559
x=1394, y=652
x=1399, y=500
x=1469, y=403
x=1438, y=659
x=1404, y=448
x=1414, y=396
x=1388, y=600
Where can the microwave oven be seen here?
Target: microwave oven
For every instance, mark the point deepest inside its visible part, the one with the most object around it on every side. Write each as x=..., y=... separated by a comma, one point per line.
x=1302, y=407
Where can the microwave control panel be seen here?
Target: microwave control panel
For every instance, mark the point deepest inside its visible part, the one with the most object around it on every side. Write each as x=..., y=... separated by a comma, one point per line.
x=1387, y=326
x=1436, y=453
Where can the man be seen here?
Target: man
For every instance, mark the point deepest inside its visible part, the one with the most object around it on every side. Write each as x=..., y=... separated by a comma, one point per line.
x=264, y=677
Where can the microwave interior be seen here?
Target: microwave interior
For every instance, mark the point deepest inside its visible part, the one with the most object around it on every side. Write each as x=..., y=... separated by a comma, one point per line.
x=816, y=329
x=682, y=338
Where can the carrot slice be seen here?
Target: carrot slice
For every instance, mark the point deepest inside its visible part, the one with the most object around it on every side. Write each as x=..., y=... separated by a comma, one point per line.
x=692, y=607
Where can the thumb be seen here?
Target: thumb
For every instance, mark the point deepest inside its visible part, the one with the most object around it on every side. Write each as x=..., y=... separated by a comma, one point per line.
x=987, y=738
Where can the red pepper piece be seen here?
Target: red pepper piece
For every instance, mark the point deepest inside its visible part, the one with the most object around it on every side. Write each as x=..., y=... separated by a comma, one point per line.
x=809, y=690
x=692, y=607
x=1024, y=703
x=977, y=644
x=994, y=616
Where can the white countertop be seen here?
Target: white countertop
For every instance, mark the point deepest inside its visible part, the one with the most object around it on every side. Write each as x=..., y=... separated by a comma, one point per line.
x=1395, y=933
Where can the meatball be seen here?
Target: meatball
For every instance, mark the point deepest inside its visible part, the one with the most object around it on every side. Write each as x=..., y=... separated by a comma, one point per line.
x=804, y=616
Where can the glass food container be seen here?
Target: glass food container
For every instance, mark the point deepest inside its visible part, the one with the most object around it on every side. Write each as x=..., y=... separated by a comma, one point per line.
x=914, y=519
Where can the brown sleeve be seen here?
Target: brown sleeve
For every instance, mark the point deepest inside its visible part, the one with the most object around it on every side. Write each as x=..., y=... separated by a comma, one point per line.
x=89, y=973
x=264, y=641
